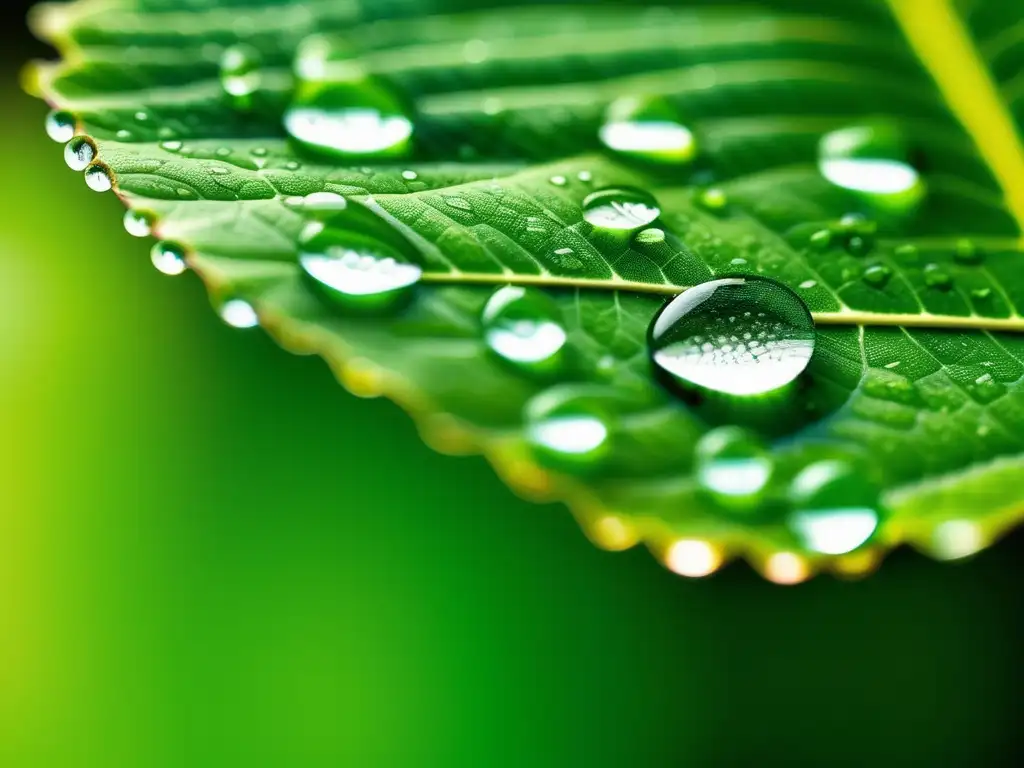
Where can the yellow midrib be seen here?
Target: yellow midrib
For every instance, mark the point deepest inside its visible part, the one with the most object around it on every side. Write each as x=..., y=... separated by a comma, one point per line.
x=939, y=38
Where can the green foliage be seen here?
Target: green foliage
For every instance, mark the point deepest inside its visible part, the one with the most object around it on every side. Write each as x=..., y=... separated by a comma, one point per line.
x=916, y=382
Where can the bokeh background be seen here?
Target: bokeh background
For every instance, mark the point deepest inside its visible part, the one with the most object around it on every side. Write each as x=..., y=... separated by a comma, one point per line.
x=211, y=555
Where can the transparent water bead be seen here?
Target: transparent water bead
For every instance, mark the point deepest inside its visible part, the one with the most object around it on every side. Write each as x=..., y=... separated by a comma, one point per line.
x=739, y=336
x=835, y=509
x=354, y=269
x=647, y=129
x=522, y=326
x=60, y=126
x=98, y=178
x=240, y=73
x=567, y=430
x=621, y=209
x=239, y=313
x=732, y=465
x=138, y=223
x=317, y=204
x=168, y=258
x=872, y=162
x=79, y=152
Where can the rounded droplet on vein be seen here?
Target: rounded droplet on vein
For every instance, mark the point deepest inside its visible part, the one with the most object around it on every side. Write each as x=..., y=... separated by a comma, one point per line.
x=168, y=258
x=238, y=313
x=98, y=178
x=621, y=209
x=79, y=152
x=877, y=275
x=317, y=204
x=354, y=269
x=834, y=508
x=872, y=162
x=240, y=74
x=60, y=126
x=138, y=223
x=522, y=326
x=647, y=129
x=738, y=336
x=732, y=465
x=567, y=431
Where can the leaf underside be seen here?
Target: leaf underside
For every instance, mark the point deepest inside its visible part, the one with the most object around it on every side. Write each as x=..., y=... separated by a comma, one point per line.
x=929, y=380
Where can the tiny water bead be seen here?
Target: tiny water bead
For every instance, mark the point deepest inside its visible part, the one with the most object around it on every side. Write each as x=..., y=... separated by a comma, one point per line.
x=872, y=162
x=936, y=276
x=60, y=126
x=521, y=325
x=621, y=209
x=732, y=465
x=651, y=236
x=567, y=431
x=239, y=313
x=240, y=73
x=835, y=509
x=647, y=129
x=877, y=275
x=138, y=223
x=739, y=336
x=316, y=204
x=98, y=178
x=168, y=258
x=967, y=252
x=355, y=270
x=713, y=199
x=79, y=152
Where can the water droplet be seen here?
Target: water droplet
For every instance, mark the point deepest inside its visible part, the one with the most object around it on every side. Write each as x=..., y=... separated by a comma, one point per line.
x=168, y=258
x=79, y=152
x=835, y=509
x=317, y=203
x=141, y=116
x=808, y=284
x=732, y=465
x=354, y=269
x=258, y=151
x=877, y=275
x=821, y=239
x=98, y=178
x=858, y=245
x=981, y=293
x=786, y=568
x=956, y=539
x=651, y=236
x=647, y=129
x=521, y=325
x=459, y=202
x=713, y=199
x=239, y=313
x=935, y=276
x=138, y=223
x=894, y=364
x=620, y=208
x=699, y=338
x=567, y=431
x=559, y=181
x=60, y=126
x=240, y=74
x=967, y=252
x=585, y=176
x=165, y=132
x=410, y=175
x=171, y=146
x=123, y=134
x=906, y=252
x=871, y=161
x=693, y=557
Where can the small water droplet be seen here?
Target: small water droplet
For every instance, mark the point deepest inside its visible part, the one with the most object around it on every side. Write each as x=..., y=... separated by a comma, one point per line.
x=985, y=378
x=410, y=175
x=240, y=74
x=79, y=152
x=317, y=204
x=871, y=161
x=821, y=239
x=713, y=199
x=906, y=252
x=620, y=208
x=935, y=276
x=60, y=126
x=647, y=129
x=460, y=203
x=567, y=431
x=651, y=236
x=967, y=252
x=292, y=165
x=168, y=258
x=521, y=325
x=142, y=116
x=858, y=245
x=732, y=465
x=585, y=176
x=138, y=223
x=239, y=313
x=258, y=151
x=354, y=269
x=877, y=275
x=165, y=132
x=98, y=178
x=894, y=364
x=558, y=181
x=835, y=509
x=171, y=146
x=808, y=284
x=691, y=339
x=123, y=134
x=981, y=293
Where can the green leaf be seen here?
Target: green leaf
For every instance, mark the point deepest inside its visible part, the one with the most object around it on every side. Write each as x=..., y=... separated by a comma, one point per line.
x=917, y=380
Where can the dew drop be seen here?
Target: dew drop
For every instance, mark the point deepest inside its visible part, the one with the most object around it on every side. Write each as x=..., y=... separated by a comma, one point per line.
x=173, y=145
x=240, y=74
x=967, y=252
x=835, y=509
x=521, y=325
x=98, y=179
x=695, y=342
x=317, y=203
x=858, y=245
x=123, y=134
x=872, y=162
x=821, y=239
x=713, y=199
x=935, y=276
x=558, y=181
x=138, y=223
x=877, y=275
x=981, y=293
x=732, y=465
x=168, y=258
x=647, y=129
x=651, y=236
x=79, y=152
x=567, y=431
x=60, y=126
x=585, y=176
x=239, y=313
x=410, y=175
x=354, y=269
x=808, y=284
x=620, y=208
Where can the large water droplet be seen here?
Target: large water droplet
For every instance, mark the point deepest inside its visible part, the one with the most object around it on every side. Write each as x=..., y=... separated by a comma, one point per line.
x=647, y=129
x=354, y=269
x=620, y=208
x=79, y=152
x=835, y=509
x=732, y=465
x=168, y=258
x=521, y=325
x=240, y=74
x=567, y=431
x=98, y=178
x=60, y=126
x=739, y=336
x=138, y=223
x=872, y=162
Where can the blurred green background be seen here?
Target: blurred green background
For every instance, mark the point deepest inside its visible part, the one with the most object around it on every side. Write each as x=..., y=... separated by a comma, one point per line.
x=211, y=555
